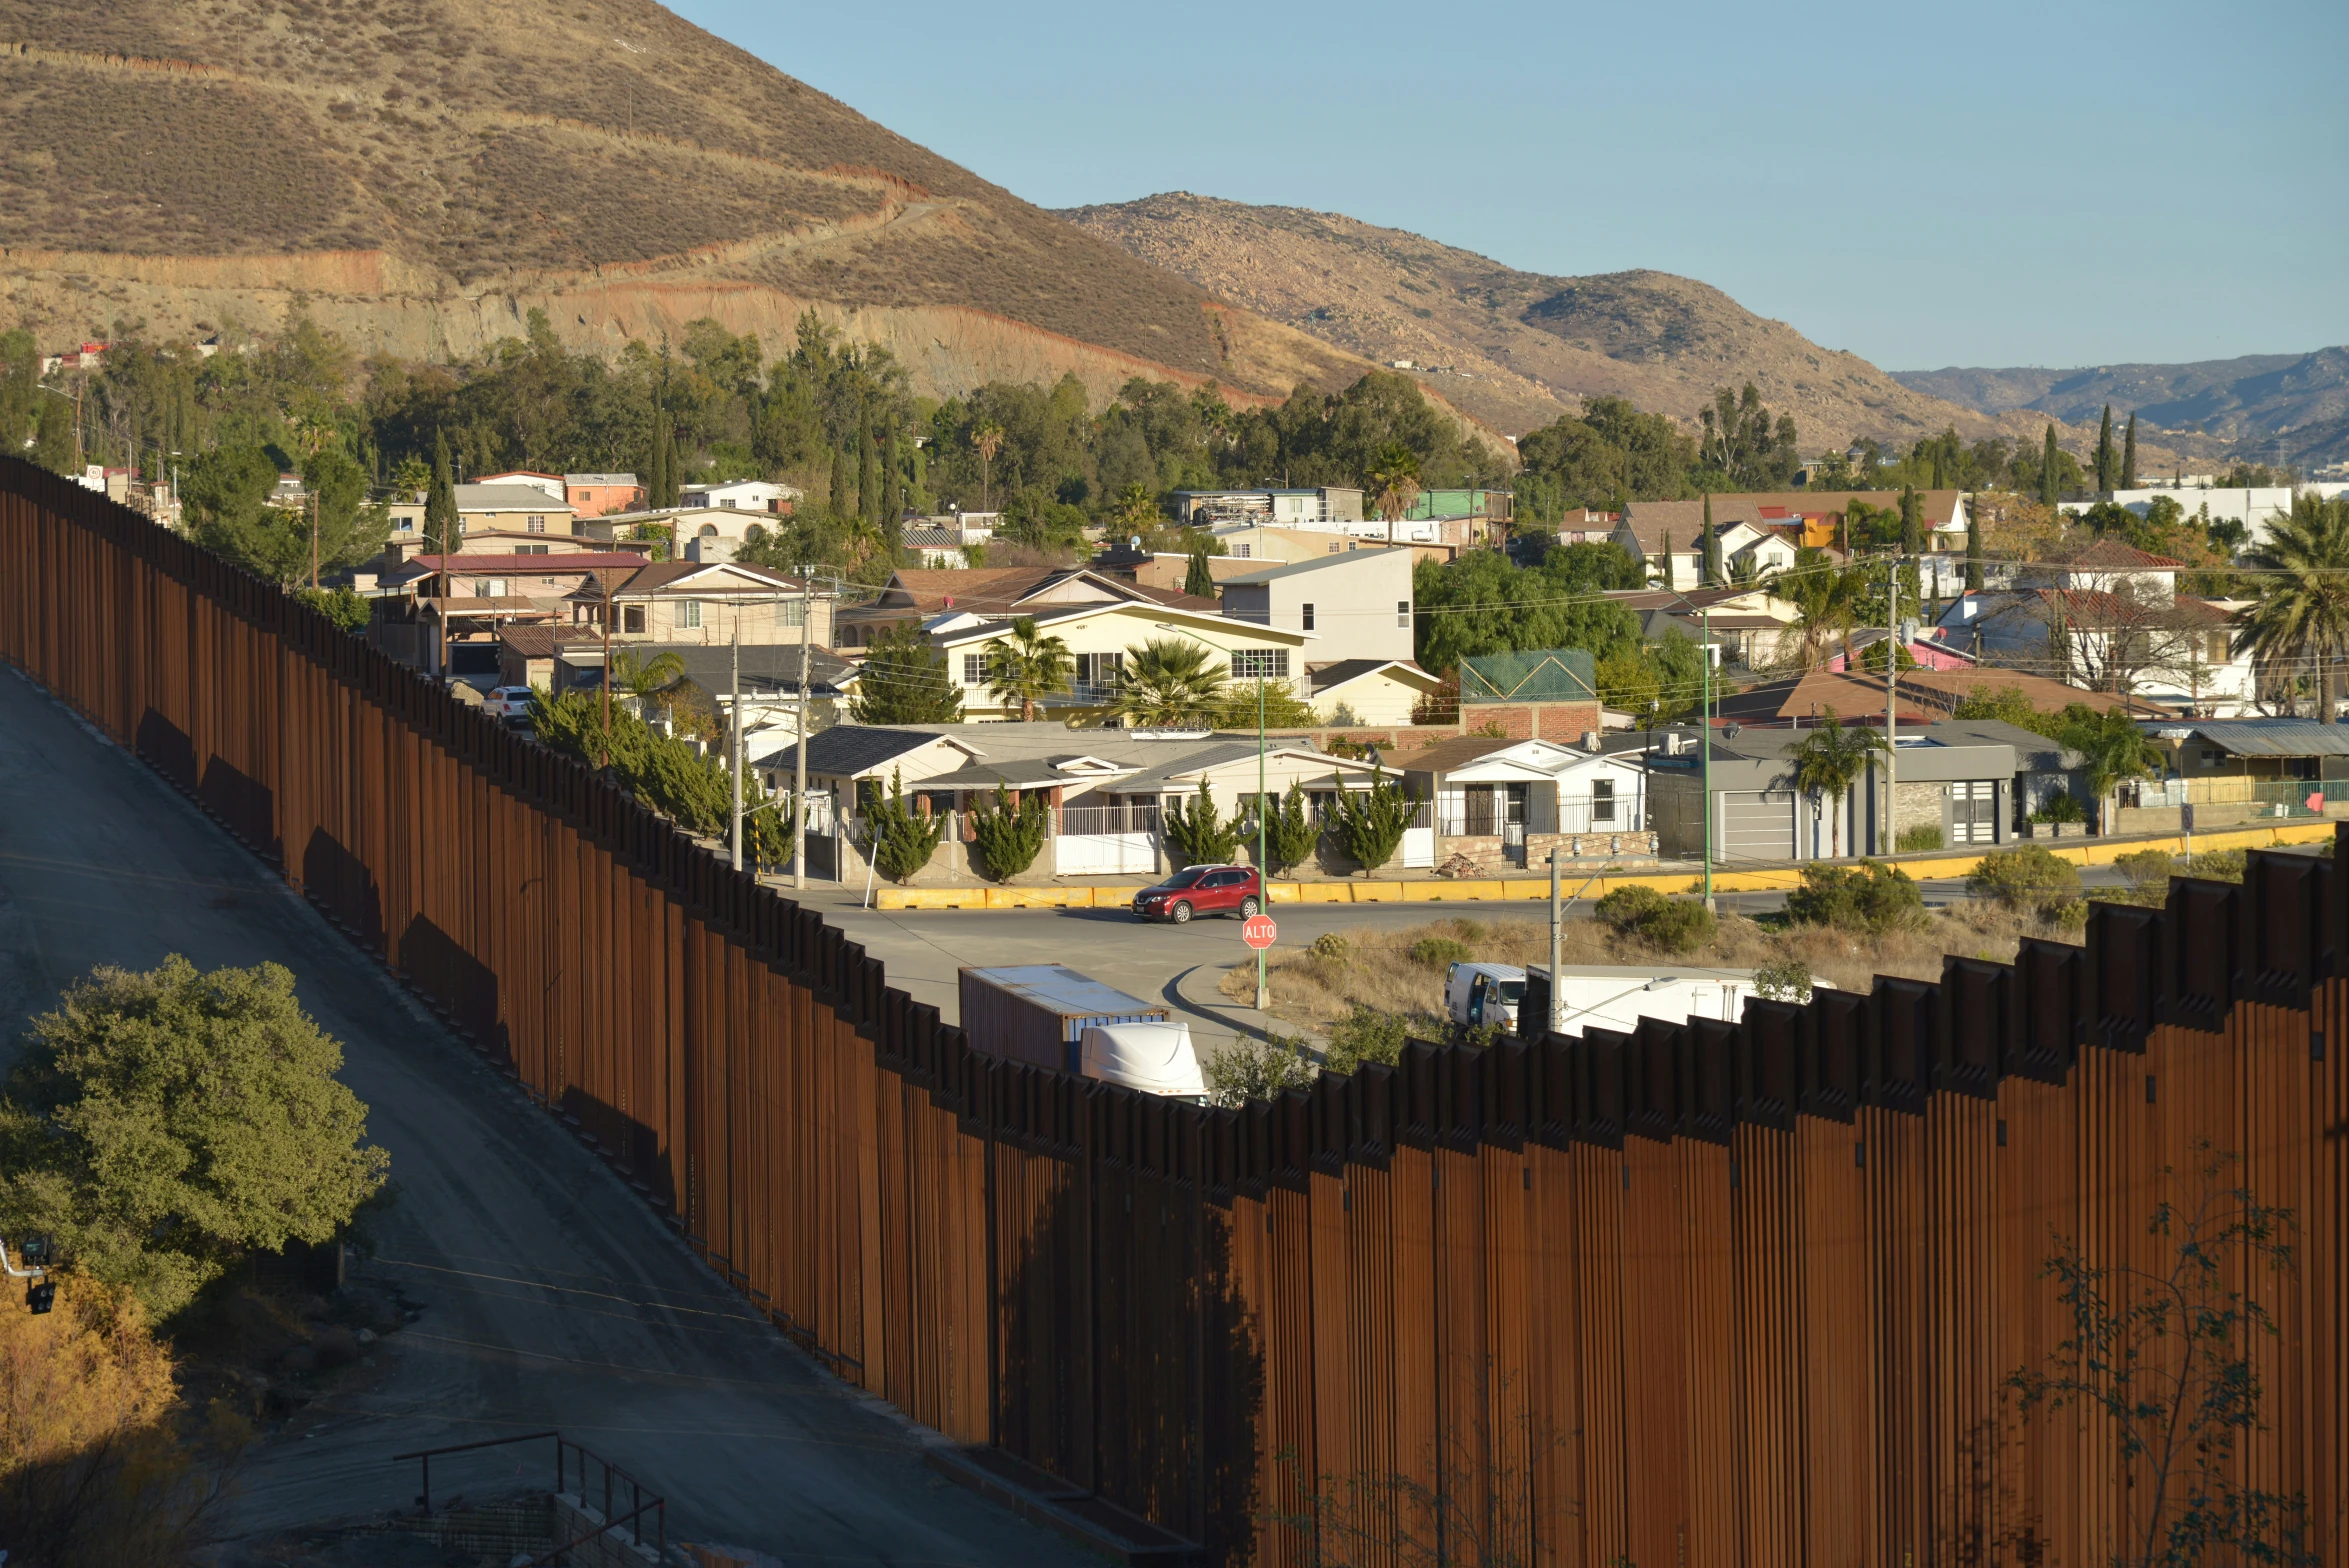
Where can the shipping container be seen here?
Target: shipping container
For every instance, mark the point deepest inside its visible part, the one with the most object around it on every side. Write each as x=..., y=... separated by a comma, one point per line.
x=1038, y=1013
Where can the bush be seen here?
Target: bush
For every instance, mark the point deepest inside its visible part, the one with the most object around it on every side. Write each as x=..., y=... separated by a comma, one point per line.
x=1870, y=896
x=1199, y=835
x=1256, y=1070
x=1331, y=947
x=1009, y=833
x=1670, y=925
x=1786, y=981
x=165, y=1126
x=1364, y=1035
x=1438, y=951
x=1291, y=836
x=899, y=839
x=1369, y=824
x=1915, y=840
x=2060, y=807
x=2145, y=868
x=2026, y=877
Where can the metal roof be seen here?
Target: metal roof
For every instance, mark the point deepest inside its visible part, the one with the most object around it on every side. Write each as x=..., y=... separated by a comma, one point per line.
x=2273, y=737
x=851, y=749
x=1059, y=989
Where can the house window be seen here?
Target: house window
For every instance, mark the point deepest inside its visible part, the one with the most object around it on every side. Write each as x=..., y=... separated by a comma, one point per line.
x=1260, y=664
x=795, y=612
x=2218, y=647
x=1309, y=617
x=538, y=525
x=1403, y=612
x=1602, y=800
x=727, y=504
x=405, y=525
x=1241, y=551
x=1099, y=670
x=974, y=669
x=632, y=617
x=688, y=613
x=530, y=549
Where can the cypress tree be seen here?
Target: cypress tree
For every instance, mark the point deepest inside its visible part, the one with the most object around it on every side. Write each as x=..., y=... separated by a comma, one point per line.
x=1912, y=526
x=661, y=483
x=868, y=482
x=837, y=490
x=1668, y=583
x=443, y=528
x=2104, y=462
x=2048, y=471
x=892, y=484
x=2129, y=455
x=1712, y=547
x=1198, y=579
x=1973, y=550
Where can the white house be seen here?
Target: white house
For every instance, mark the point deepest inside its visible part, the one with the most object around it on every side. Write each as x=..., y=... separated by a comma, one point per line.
x=550, y=484
x=1099, y=634
x=1357, y=602
x=2256, y=508
x=740, y=495
x=1503, y=804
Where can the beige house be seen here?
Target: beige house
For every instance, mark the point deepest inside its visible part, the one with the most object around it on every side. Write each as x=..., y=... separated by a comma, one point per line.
x=688, y=602
x=1100, y=635
x=508, y=508
x=686, y=523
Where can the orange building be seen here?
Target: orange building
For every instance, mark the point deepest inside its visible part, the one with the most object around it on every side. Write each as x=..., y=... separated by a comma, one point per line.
x=600, y=495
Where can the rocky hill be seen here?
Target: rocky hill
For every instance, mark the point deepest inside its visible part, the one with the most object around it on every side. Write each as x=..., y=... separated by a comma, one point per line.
x=1517, y=349
x=2257, y=406
x=420, y=174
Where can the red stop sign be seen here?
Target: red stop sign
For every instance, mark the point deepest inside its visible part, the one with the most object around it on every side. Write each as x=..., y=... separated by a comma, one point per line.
x=1258, y=931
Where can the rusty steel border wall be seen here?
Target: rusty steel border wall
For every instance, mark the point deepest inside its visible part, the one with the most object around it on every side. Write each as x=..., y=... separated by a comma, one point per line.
x=1701, y=1294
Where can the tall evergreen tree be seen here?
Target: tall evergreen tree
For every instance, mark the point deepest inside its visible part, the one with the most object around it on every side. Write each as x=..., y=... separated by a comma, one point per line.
x=2105, y=466
x=1973, y=549
x=892, y=484
x=1198, y=578
x=2049, y=471
x=839, y=489
x=1912, y=522
x=1668, y=583
x=2129, y=455
x=1712, y=548
x=868, y=480
x=444, y=530
x=660, y=483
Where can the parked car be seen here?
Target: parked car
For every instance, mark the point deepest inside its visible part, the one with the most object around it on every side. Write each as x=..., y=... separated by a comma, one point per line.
x=1483, y=996
x=507, y=702
x=1202, y=890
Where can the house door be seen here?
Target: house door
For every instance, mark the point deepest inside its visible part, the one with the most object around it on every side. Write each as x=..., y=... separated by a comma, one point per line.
x=1973, y=811
x=1512, y=805
x=1479, y=800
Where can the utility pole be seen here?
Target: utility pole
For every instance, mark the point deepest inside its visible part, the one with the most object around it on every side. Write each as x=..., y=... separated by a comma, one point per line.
x=1557, y=945
x=1705, y=743
x=604, y=740
x=313, y=541
x=1263, y=882
x=734, y=749
x=807, y=616
x=1891, y=688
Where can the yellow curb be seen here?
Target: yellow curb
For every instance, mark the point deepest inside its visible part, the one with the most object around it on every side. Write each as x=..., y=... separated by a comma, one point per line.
x=2086, y=852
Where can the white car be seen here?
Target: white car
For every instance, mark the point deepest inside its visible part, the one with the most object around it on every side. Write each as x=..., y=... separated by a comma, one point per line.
x=507, y=702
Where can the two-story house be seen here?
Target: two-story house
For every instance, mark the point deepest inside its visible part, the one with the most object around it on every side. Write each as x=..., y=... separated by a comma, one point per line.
x=688, y=602
x=596, y=495
x=1100, y=635
x=487, y=508
x=741, y=495
x=1357, y=605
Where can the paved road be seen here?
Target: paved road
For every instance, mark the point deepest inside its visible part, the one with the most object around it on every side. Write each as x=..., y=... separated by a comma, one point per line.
x=552, y=1297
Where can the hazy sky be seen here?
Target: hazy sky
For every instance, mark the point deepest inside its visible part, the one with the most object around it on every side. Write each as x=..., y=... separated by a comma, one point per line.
x=2066, y=182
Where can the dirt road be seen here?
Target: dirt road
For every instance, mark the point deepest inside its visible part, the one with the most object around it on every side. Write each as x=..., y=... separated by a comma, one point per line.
x=552, y=1296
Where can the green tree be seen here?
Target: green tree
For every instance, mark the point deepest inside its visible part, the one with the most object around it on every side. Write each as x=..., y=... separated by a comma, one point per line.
x=2050, y=471
x=899, y=839
x=344, y=606
x=1027, y=665
x=644, y=678
x=2113, y=749
x=1974, y=546
x=986, y=440
x=868, y=480
x=2129, y=455
x=53, y=442
x=1009, y=832
x=1198, y=578
x=1291, y=834
x=2106, y=465
x=838, y=499
x=1250, y=1069
x=1830, y=761
x=165, y=1125
x=350, y=528
x=666, y=482
x=1369, y=824
x=1240, y=705
x=1712, y=546
x=1169, y=683
x=20, y=389
x=444, y=530
x=1871, y=897
x=1392, y=483
x=1366, y=1034
x=226, y=492
x=2301, y=617
x=1198, y=834
x=1912, y=523
x=1743, y=445
x=2165, y=1363
x=904, y=680
x=1825, y=600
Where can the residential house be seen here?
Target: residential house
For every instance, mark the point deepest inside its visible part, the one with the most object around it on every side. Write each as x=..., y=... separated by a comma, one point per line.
x=1928, y=651
x=476, y=598
x=597, y=495
x=503, y=508
x=1316, y=506
x=1925, y=696
x=740, y=495
x=687, y=603
x=404, y=547
x=1582, y=525
x=915, y=595
x=2256, y=508
x=1794, y=519
x=1100, y=632
x=728, y=525
x=1503, y=805
x=768, y=678
x=531, y=655
x=1358, y=601
x=1745, y=626
x=1369, y=691
x=937, y=549
x=2110, y=616
x=551, y=485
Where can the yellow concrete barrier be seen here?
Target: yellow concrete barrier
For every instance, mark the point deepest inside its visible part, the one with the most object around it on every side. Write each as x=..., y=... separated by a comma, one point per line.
x=1776, y=879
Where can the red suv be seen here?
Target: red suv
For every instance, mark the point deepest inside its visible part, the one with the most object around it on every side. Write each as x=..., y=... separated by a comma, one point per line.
x=1202, y=890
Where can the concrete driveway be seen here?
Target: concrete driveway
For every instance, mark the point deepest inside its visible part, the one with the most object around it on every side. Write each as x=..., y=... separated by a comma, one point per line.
x=552, y=1297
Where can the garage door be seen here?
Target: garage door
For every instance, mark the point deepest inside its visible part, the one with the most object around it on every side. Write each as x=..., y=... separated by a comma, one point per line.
x=1756, y=825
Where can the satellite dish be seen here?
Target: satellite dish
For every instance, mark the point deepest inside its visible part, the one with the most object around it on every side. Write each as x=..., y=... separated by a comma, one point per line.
x=1134, y=543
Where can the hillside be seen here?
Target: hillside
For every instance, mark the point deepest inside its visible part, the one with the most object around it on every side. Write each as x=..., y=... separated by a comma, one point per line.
x=419, y=174
x=1517, y=349
x=2258, y=404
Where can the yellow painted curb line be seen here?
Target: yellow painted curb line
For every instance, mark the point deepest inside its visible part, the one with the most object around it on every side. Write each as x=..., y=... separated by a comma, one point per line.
x=2085, y=852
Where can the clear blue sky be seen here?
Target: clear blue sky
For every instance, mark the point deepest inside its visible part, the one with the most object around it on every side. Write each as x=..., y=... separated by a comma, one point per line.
x=2065, y=182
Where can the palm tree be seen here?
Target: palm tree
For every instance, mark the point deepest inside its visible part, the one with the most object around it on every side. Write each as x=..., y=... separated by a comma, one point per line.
x=1824, y=600
x=1830, y=761
x=2115, y=749
x=1168, y=683
x=634, y=675
x=1136, y=512
x=1393, y=482
x=2302, y=612
x=1026, y=666
x=987, y=436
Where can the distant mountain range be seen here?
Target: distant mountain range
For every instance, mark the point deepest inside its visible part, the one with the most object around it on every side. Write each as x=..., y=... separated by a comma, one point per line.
x=2261, y=405
x=1520, y=349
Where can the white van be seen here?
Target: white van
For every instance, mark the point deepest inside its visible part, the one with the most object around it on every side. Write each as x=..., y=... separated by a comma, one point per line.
x=1480, y=996
x=1152, y=1057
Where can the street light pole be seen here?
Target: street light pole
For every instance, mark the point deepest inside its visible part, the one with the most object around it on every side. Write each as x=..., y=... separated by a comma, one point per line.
x=1891, y=716
x=734, y=748
x=1705, y=743
x=1263, y=882
x=1557, y=942
x=807, y=615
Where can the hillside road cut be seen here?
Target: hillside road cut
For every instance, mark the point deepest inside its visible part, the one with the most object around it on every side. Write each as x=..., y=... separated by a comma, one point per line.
x=551, y=1296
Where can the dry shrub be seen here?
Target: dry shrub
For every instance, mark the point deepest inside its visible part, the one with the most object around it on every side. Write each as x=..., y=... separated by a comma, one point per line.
x=95, y=1468
x=1375, y=969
